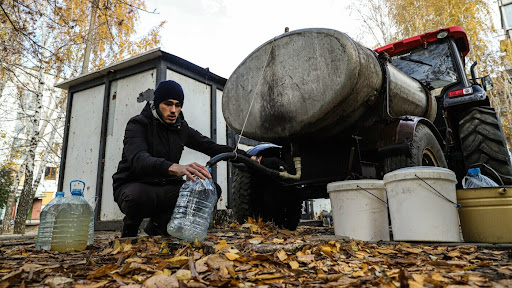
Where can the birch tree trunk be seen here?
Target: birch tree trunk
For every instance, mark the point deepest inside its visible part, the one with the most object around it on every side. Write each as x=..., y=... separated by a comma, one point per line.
x=6, y=224
x=27, y=193
x=45, y=155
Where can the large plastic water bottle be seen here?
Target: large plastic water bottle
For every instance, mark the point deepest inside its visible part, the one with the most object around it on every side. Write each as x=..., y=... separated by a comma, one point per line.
x=191, y=216
x=47, y=218
x=476, y=180
x=71, y=228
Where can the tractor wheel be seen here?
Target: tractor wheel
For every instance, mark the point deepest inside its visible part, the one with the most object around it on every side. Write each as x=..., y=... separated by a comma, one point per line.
x=256, y=196
x=483, y=141
x=424, y=150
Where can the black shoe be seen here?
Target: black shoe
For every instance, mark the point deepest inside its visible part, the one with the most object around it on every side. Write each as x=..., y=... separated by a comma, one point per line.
x=154, y=229
x=130, y=230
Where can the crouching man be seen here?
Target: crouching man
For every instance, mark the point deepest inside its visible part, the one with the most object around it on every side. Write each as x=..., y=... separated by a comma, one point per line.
x=149, y=175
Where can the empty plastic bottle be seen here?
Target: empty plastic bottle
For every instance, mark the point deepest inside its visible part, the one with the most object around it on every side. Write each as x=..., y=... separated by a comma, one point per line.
x=476, y=180
x=47, y=218
x=71, y=228
x=191, y=216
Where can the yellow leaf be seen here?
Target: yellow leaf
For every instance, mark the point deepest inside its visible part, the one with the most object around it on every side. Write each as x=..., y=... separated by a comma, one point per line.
x=201, y=265
x=231, y=271
x=281, y=254
x=385, y=251
x=221, y=246
x=393, y=273
x=412, y=250
x=178, y=261
x=254, y=228
x=439, y=277
x=256, y=240
x=327, y=250
x=418, y=278
x=161, y=281
x=215, y=261
x=163, y=248
x=231, y=256
x=102, y=271
x=166, y=272
x=266, y=277
x=121, y=278
x=136, y=260
x=117, y=247
x=277, y=240
x=294, y=264
x=414, y=284
x=361, y=254
x=475, y=278
x=306, y=258
x=224, y=273
x=93, y=285
x=454, y=254
x=359, y=273
x=183, y=274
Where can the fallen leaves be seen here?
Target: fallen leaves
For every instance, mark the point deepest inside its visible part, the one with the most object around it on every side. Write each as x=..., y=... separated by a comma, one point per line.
x=265, y=257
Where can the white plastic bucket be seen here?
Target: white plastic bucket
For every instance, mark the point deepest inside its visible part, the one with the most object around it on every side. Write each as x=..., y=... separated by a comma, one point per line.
x=359, y=209
x=422, y=204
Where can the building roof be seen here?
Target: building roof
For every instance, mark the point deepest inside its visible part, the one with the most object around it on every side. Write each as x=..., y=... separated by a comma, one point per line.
x=146, y=56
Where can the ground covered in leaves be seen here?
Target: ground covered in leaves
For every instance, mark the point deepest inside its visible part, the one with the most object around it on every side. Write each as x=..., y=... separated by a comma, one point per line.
x=255, y=254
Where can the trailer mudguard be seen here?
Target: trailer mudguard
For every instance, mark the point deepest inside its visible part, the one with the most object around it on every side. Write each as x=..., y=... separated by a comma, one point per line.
x=397, y=135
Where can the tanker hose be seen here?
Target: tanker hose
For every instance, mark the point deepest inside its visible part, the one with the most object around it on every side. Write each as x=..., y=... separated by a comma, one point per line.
x=255, y=165
x=221, y=157
x=298, y=169
x=247, y=161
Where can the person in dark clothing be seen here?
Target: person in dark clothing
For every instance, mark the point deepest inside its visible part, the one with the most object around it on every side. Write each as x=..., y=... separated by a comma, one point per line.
x=149, y=175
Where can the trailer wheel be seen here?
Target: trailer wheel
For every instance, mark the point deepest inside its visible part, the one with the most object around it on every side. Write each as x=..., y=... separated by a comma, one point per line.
x=256, y=196
x=483, y=141
x=244, y=197
x=289, y=213
x=424, y=150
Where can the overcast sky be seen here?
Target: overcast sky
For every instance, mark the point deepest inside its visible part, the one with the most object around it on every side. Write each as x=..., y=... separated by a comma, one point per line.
x=219, y=34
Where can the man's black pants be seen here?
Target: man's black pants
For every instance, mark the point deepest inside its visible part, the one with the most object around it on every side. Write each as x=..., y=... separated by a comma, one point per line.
x=139, y=200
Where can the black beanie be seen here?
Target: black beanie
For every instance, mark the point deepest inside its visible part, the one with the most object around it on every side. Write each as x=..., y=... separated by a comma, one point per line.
x=168, y=90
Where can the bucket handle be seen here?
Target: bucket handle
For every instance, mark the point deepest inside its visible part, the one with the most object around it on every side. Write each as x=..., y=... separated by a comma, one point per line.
x=457, y=205
x=372, y=195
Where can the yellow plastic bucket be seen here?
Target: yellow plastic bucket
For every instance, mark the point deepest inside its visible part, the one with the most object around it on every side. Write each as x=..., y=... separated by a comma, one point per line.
x=486, y=214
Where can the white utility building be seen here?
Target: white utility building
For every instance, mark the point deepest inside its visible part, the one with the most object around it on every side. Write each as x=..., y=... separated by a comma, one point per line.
x=100, y=104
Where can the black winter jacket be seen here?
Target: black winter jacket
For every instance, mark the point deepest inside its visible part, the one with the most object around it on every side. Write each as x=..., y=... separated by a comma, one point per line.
x=152, y=146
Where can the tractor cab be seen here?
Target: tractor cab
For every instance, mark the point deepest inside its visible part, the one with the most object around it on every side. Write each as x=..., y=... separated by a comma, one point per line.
x=437, y=60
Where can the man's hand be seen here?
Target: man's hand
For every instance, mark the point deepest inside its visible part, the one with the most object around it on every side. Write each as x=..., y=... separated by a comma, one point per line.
x=190, y=170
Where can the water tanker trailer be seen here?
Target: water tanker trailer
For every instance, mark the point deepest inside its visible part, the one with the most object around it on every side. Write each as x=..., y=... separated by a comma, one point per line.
x=333, y=110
